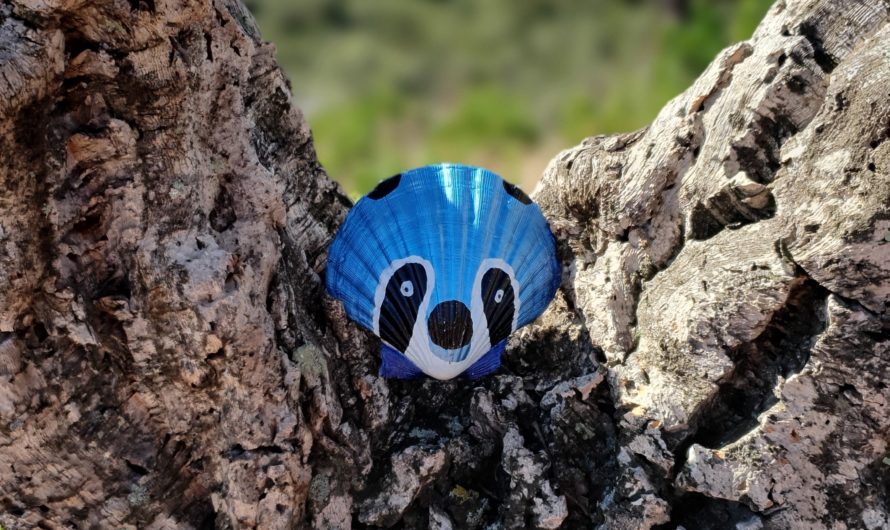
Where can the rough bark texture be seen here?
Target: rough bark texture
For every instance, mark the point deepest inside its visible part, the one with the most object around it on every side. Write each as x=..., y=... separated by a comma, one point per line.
x=718, y=355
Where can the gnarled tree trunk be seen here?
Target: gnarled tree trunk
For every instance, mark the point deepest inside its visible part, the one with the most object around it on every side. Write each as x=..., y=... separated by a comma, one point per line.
x=718, y=355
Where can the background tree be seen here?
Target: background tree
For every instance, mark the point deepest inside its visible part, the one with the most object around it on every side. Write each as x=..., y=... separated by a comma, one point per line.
x=499, y=84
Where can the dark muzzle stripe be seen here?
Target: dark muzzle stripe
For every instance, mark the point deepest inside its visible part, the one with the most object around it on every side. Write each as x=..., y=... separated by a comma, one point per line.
x=451, y=325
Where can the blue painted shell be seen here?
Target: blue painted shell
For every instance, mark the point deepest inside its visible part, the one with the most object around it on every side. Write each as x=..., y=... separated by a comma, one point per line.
x=443, y=262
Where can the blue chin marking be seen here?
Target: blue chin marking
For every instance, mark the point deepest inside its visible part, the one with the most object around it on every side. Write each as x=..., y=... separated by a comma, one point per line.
x=395, y=365
x=488, y=363
x=451, y=356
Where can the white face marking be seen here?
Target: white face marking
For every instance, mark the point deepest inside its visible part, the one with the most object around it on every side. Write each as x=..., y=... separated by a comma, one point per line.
x=418, y=350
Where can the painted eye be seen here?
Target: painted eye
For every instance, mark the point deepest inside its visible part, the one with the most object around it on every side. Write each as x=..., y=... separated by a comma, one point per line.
x=499, y=301
x=401, y=303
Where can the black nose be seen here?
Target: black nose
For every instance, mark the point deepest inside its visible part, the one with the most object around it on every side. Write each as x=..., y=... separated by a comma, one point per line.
x=451, y=325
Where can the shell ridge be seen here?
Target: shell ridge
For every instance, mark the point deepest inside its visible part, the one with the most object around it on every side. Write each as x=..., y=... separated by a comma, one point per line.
x=396, y=365
x=356, y=220
x=467, y=182
x=403, y=326
x=537, y=303
x=488, y=363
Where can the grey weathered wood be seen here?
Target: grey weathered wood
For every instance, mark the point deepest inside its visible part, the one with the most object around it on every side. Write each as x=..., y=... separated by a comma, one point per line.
x=718, y=356
x=732, y=260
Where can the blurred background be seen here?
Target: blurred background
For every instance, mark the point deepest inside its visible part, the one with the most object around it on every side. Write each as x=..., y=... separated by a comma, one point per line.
x=393, y=84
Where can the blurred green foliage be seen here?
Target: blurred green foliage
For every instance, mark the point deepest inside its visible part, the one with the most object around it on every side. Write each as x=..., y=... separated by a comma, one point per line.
x=392, y=84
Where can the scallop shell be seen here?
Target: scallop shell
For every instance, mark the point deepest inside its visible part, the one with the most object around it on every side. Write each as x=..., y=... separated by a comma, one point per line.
x=443, y=263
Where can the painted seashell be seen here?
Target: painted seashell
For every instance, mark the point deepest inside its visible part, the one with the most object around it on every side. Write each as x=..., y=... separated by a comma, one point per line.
x=443, y=263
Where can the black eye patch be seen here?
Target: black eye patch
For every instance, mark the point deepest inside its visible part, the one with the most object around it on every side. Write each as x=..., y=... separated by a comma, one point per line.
x=398, y=313
x=498, y=301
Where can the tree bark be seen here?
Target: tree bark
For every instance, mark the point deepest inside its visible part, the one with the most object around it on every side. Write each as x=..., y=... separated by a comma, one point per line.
x=717, y=357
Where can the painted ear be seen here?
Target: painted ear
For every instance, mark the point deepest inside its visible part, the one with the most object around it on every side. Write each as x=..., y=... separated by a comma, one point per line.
x=488, y=363
x=395, y=365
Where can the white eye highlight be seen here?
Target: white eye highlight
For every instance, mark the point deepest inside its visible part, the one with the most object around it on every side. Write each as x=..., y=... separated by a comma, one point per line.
x=498, y=296
x=407, y=288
